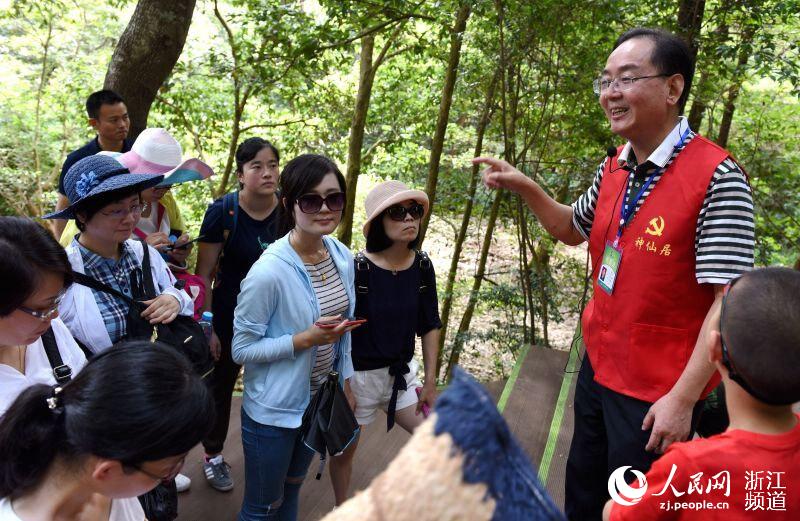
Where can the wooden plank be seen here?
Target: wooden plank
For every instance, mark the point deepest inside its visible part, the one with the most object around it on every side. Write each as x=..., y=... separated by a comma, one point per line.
x=531, y=403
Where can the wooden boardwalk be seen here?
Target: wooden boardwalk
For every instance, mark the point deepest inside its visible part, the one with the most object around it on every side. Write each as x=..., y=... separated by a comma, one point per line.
x=529, y=406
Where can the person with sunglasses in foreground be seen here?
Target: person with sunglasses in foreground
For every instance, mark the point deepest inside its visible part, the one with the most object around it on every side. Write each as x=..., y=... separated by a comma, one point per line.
x=396, y=294
x=290, y=325
x=754, y=343
x=84, y=450
x=34, y=272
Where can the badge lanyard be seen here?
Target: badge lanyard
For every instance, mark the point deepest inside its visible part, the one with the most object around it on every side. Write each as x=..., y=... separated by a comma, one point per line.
x=627, y=209
x=612, y=255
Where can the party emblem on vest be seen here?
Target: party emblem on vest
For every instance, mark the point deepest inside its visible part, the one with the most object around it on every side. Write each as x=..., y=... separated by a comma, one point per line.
x=655, y=226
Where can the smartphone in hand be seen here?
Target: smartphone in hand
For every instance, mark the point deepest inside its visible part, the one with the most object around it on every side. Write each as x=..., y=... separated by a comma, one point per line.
x=352, y=321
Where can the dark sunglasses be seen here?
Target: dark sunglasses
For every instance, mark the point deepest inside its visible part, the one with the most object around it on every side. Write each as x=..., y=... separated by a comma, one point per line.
x=312, y=203
x=399, y=212
x=726, y=356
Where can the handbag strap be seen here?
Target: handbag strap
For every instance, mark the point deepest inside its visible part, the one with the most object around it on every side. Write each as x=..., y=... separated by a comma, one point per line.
x=147, y=274
x=89, y=282
x=61, y=371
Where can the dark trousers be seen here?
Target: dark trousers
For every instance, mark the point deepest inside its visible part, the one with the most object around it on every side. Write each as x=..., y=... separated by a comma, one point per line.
x=223, y=380
x=608, y=435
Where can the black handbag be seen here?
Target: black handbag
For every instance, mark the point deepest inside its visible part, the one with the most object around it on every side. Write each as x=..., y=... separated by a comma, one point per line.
x=329, y=425
x=183, y=333
x=161, y=503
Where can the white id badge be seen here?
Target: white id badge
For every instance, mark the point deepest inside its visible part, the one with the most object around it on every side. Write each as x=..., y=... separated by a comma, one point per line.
x=609, y=269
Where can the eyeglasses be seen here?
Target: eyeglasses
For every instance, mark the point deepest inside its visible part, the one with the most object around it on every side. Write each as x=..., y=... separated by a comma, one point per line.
x=726, y=356
x=622, y=84
x=173, y=472
x=399, y=212
x=48, y=314
x=312, y=203
x=122, y=213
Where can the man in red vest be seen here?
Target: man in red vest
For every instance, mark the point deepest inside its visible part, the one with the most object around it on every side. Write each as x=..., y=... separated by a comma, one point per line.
x=669, y=221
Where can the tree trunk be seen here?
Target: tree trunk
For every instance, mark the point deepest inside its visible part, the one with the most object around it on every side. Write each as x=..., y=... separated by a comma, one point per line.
x=447, y=304
x=463, y=327
x=456, y=38
x=690, y=20
x=699, y=104
x=146, y=53
x=366, y=78
x=736, y=86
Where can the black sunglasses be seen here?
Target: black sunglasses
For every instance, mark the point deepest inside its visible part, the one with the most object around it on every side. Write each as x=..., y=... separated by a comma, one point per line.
x=726, y=356
x=312, y=203
x=399, y=212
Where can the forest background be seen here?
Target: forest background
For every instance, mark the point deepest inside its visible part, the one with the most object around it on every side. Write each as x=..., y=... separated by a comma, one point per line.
x=411, y=91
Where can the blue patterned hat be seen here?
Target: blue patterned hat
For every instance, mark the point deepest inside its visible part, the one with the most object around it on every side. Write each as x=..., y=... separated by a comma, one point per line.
x=96, y=175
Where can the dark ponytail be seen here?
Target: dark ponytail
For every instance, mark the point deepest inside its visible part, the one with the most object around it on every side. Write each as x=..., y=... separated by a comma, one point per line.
x=299, y=177
x=30, y=437
x=133, y=403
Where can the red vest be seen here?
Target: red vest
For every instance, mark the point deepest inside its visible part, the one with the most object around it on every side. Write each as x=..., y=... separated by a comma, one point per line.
x=640, y=338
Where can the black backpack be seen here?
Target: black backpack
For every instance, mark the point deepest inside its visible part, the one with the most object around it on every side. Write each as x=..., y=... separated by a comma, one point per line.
x=183, y=333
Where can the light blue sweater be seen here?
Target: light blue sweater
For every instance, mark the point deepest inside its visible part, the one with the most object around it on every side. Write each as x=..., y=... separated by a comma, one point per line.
x=278, y=301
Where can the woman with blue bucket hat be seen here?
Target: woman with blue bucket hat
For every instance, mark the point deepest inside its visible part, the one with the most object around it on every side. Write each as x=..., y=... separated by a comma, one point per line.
x=105, y=201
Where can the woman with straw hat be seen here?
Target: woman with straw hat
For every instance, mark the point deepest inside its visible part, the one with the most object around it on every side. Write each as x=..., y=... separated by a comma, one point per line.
x=396, y=294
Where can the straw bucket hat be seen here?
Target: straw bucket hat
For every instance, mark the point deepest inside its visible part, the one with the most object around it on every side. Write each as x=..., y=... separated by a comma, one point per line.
x=389, y=193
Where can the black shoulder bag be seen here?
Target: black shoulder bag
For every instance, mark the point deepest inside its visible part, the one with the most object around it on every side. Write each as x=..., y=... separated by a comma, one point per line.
x=329, y=424
x=183, y=333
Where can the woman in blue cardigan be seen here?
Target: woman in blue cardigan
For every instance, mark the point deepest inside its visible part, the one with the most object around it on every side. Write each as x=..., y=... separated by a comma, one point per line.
x=306, y=277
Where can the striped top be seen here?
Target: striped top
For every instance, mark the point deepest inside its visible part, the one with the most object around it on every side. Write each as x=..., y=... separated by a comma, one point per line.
x=725, y=232
x=333, y=300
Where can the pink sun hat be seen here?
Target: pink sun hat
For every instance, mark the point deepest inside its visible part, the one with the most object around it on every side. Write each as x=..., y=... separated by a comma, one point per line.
x=155, y=151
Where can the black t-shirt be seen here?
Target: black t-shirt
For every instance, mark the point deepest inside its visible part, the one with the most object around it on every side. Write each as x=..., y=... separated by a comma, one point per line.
x=243, y=248
x=395, y=312
x=89, y=149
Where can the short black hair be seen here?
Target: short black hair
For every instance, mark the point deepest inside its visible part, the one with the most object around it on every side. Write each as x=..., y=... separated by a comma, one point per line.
x=248, y=149
x=761, y=330
x=26, y=251
x=299, y=177
x=377, y=240
x=671, y=55
x=91, y=206
x=99, y=98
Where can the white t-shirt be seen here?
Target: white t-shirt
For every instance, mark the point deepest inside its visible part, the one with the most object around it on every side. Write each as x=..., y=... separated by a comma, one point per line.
x=37, y=367
x=127, y=509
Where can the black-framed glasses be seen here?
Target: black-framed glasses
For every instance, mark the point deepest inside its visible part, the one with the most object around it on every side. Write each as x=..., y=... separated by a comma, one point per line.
x=47, y=314
x=312, y=203
x=398, y=212
x=622, y=84
x=733, y=374
x=173, y=472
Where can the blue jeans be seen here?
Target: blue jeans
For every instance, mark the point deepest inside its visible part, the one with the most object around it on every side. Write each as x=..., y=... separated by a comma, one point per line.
x=275, y=463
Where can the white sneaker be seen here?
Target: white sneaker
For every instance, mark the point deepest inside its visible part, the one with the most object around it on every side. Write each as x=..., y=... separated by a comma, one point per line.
x=182, y=483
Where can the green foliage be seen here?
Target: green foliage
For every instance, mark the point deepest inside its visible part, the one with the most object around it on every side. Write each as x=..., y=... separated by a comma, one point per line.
x=288, y=71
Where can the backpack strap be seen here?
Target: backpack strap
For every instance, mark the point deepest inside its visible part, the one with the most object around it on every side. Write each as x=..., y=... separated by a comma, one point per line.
x=426, y=269
x=362, y=283
x=230, y=215
x=61, y=371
